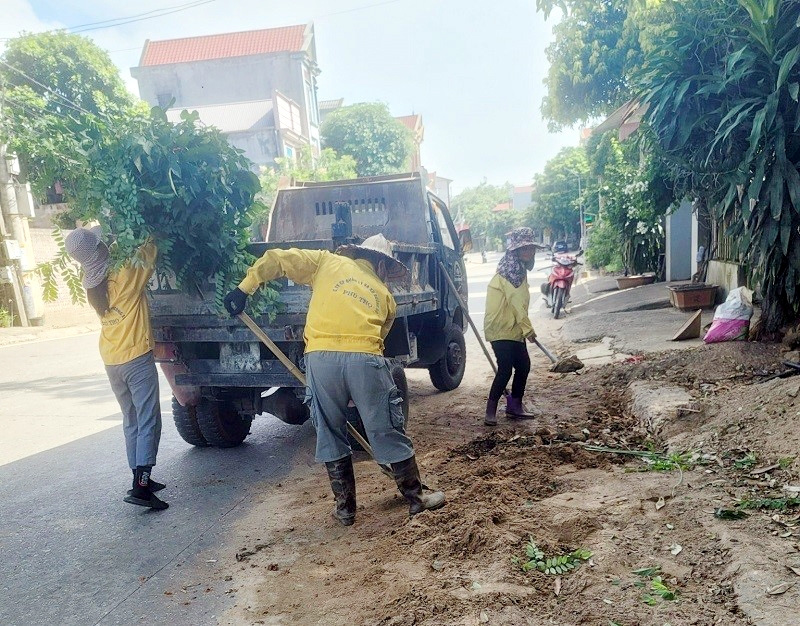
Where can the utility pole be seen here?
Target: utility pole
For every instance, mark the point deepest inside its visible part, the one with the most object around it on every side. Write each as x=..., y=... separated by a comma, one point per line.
x=17, y=262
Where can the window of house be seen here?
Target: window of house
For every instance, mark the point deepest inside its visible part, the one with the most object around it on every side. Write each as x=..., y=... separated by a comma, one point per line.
x=289, y=151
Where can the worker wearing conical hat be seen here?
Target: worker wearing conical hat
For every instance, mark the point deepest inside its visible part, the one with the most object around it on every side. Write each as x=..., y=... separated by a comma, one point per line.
x=349, y=316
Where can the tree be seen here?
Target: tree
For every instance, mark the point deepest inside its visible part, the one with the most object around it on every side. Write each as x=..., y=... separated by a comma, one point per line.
x=328, y=166
x=722, y=85
x=51, y=84
x=558, y=194
x=474, y=206
x=367, y=132
x=595, y=49
x=636, y=197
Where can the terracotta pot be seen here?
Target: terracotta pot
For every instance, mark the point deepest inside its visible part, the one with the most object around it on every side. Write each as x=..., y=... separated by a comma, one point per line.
x=626, y=282
x=694, y=296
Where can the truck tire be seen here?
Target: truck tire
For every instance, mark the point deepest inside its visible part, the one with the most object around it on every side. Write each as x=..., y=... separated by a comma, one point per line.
x=221, y=424
x=399, y=377
x=447, y=372
x=185, y=418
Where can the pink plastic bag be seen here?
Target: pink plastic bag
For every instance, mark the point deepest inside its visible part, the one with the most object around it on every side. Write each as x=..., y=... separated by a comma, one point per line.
x=732, y=318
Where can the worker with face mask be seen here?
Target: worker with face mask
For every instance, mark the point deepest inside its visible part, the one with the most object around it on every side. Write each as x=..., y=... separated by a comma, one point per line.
x=507, y=325
x=126, y=347
x=349, y=316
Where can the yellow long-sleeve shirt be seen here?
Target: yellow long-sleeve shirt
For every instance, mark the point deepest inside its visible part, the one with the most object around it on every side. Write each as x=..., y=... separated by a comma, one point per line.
x=507, y=311
x=126, y=332
x=351, y=309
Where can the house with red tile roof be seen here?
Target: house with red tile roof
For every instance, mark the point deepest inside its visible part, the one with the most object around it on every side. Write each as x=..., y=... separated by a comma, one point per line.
x=259, y=87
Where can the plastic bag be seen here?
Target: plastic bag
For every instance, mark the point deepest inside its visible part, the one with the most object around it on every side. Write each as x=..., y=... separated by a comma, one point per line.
x=732, y=317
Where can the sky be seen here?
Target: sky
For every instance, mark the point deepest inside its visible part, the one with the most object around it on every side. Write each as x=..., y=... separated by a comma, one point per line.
x=472, y=69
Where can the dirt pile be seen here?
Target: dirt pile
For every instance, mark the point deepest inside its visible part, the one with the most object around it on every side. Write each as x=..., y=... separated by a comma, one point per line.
x=659, y=553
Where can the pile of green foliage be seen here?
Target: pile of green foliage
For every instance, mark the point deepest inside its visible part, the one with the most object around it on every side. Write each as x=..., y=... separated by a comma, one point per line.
x=181, y=184
x=69, y=118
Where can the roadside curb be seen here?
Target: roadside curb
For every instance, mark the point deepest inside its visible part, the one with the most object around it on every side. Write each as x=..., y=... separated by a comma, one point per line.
x=16, y=335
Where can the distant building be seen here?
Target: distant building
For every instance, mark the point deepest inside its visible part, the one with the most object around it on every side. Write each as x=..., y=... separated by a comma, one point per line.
x=522, y=198
x=258, y=87
x=326, y=107
x=502, y=207
x=440, y=186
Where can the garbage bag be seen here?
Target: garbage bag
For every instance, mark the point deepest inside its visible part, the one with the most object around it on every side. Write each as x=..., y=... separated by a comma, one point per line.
x=732, y=318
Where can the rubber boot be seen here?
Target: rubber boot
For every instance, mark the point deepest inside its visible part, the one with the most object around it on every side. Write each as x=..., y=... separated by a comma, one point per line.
x=491, y=413
x=515, y=410
x=343, y=485
x=406, y=475
x=140, y=494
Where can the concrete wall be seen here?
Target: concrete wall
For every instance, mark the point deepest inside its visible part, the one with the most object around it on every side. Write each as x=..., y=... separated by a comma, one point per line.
x=260, y=147
x=726, y=276
x=62, y=312
x=220, y=81
x=679, y=243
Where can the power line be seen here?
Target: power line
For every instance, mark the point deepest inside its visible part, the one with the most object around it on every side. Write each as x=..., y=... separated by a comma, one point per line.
x=119, y=21
x=140, y=19
x=188, y=5
x=69, y=102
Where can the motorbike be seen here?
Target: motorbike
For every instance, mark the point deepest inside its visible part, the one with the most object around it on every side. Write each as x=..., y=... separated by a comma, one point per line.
x=559, y=283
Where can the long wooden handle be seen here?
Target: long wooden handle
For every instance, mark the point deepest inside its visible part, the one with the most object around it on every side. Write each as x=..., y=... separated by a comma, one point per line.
x=466, y=314
x=250, y=323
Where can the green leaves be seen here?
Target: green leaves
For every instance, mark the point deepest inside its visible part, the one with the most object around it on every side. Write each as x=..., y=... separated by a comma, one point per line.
x=555, y=565
x=367, y=132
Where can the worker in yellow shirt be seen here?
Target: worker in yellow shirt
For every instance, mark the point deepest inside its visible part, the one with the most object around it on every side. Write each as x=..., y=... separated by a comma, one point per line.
x=349, y=316
x=507, y=327
x=126, y=347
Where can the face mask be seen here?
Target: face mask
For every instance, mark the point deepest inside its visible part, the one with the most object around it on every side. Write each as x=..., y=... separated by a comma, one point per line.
x=529, y=264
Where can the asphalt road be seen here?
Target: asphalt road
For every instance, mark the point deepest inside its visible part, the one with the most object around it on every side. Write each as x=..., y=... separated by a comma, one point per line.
x=71, y=551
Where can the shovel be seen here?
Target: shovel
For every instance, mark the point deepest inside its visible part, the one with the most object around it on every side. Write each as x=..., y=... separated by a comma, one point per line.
x=567, y=362
x=250, y=323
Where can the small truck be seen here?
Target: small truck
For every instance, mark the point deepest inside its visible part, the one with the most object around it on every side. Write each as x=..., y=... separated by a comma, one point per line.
x=222, y=376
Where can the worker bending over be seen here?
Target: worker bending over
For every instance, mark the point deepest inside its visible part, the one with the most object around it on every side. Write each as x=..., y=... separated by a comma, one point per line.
x=349, y=316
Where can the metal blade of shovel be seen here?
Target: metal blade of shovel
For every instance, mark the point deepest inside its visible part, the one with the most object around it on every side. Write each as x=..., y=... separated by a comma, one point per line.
x=250, y=323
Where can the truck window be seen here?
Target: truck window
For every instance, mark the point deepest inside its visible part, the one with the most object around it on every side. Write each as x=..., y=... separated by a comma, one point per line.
x=441, y=222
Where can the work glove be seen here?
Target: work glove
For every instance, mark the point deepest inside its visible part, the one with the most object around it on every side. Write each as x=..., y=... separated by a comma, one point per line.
x=531, y=336
x=235, y=302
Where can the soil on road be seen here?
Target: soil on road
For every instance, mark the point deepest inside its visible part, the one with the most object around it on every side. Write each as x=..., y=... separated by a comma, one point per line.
x=660, y=545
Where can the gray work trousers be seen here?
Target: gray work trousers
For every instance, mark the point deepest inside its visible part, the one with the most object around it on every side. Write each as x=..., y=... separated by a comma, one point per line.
x=135, y=384
x=335, y=378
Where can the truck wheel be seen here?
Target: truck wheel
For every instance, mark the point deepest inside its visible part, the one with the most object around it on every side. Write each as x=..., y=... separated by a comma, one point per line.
x=221, y=424
x=185, y=418
x=447, y=372
x=399, y=377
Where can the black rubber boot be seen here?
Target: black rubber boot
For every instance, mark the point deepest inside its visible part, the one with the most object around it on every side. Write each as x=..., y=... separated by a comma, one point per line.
x=141, y=495
x=343, y=485
x=491, y=413
x=406, y=475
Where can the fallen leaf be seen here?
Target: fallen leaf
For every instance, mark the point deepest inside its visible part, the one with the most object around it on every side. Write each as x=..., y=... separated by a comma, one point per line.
x=764, y=470
x=472, y=458
x=675, y=549
x=796, y=570
x=779, y=589
x=557, y=585
x=660, y=504
x=484, y=617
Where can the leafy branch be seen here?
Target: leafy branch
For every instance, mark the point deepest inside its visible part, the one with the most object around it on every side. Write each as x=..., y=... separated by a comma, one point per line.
x=554, y=565
x=61, y=266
